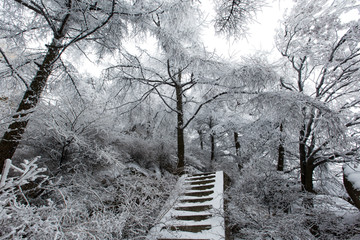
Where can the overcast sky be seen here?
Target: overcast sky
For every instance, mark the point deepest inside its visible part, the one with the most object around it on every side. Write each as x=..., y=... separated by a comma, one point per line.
x=260, y=36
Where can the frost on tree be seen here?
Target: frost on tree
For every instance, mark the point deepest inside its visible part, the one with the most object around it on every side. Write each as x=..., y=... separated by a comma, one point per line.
x=321, y=62
x=67, y=24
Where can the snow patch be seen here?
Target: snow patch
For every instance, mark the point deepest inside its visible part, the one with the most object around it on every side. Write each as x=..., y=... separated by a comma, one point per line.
x=352, y=174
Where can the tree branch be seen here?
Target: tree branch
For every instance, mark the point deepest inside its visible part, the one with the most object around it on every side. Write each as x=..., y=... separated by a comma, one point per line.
x=13, y=69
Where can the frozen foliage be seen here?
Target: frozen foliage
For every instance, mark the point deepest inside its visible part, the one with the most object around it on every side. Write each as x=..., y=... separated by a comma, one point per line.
x=19, y=220
x=82, y=206
x=233, y=16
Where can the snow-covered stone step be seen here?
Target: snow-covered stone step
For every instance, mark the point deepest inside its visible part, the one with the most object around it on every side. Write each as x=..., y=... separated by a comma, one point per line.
x=194, y=217
x=196, y=200
x=200, y=178
x=202, y=187
x=198, y=193
x=203, y=174
x=188, y=228
x=197, y=208
x=202, y=182
x=181, y=239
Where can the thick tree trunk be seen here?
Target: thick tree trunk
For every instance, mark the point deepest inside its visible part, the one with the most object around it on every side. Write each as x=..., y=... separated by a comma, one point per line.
x=13, y=135
x=280, y=164
x=306, y=164
x=309, y=187
x=180, y=128
x=237, y=144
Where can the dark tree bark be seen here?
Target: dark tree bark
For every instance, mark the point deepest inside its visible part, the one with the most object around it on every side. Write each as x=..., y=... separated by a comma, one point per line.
x=280, y=164
x=212, y=142
x=16, y=129
x=237, y=144
x=201, y=138
x=180, y=126
x=309, y=176
x=302, y=154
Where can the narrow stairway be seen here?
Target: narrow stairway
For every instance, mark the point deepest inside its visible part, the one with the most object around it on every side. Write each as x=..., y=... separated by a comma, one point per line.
x=195, y=210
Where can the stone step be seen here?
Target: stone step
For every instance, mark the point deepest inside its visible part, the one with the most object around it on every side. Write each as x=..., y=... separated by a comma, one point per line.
x=202, y=187
x=196, y=200
x=204, y=182
x=200, y=178
x=188, y=228
x=182, y=239
x=199, y=194
x=198, y=208
x=203, y=174
x=193, y=217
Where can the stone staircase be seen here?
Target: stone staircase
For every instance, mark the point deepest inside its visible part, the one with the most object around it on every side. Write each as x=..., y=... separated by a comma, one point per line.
x=195, y=210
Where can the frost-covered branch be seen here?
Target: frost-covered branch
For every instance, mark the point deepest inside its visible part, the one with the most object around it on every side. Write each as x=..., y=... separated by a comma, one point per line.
x=28, y=170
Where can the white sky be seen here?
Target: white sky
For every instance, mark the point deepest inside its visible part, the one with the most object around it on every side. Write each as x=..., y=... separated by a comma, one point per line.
x=259, y=38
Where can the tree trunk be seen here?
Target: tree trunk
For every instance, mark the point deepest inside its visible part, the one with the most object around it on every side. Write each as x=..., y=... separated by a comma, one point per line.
x=309, y=176
x=280, y=165
x=237, y=144
x=13, y=135
x=302, y=153
x=180, y=128
x=212, y=142
x=201, y=137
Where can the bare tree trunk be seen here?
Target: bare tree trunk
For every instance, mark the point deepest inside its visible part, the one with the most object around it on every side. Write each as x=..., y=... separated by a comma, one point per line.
x=302, y=153
x=212, y=142
x=201, y=137
x=180, y=127
x=16, y=129
x=309, y=176
x=237, y=144
x=280, y=165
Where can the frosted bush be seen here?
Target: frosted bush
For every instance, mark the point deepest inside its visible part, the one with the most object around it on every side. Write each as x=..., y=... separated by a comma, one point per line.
x=18, y=219
x=266, y=204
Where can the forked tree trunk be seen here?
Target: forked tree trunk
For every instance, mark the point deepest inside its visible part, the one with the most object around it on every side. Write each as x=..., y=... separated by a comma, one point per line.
x=16, y=129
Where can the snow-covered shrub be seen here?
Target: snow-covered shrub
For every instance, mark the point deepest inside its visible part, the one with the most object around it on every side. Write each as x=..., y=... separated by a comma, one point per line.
x=18, y=219
x=265, y=204
x=104, y=207
x=81, y=205
x=147, y=153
